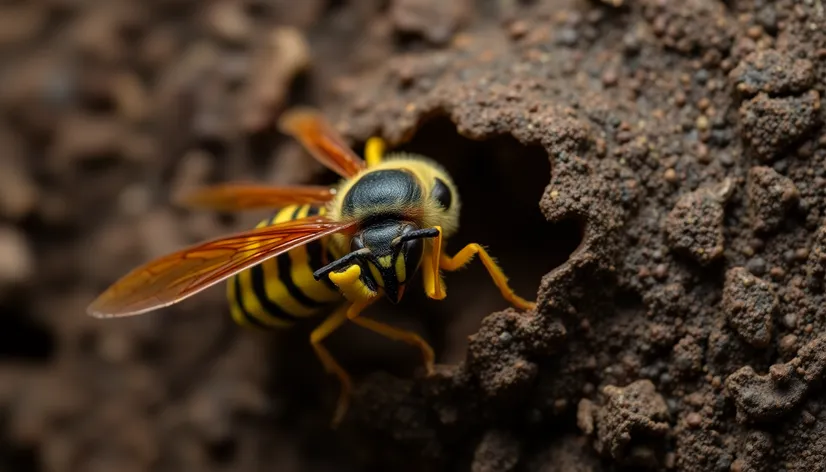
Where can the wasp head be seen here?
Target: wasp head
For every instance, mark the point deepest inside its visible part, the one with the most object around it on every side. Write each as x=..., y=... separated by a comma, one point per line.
x=395, y=253
x=388, y=252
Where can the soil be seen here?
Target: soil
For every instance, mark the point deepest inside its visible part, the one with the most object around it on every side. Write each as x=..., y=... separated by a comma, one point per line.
x=654, y=172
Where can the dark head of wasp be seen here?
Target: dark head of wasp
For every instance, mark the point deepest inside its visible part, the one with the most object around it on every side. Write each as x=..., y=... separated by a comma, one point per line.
x=388, y=245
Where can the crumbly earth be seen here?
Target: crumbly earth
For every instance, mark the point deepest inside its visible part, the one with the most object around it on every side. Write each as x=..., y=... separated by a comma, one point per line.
x=652, y=172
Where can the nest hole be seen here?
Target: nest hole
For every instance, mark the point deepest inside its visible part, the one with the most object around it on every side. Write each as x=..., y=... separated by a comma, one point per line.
x=500, y=182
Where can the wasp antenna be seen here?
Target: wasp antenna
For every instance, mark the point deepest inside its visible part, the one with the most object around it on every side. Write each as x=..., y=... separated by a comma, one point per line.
x=342, y=262
x=417, y=234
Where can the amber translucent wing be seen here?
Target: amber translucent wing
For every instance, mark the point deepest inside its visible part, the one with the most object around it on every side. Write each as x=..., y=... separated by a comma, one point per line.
x=241, y=196
x=179, y=275
x=321, y=140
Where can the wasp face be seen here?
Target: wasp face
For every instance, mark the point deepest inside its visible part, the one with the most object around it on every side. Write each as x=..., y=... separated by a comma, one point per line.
x=392, y=259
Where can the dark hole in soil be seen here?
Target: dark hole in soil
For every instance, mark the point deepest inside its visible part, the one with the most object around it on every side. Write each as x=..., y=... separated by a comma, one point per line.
x=21, y=337
x=500, y=182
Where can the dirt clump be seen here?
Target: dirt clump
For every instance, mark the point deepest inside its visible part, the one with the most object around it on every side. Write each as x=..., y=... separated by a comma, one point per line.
x=750, y=305
x=770, y=125
x=695, y=226
x=773, y=73
x=630, y=423
x=771, y=197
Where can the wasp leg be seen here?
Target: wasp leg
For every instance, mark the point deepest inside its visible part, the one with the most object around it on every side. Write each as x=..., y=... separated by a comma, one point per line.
x=332, y=323
x=350, y=284
x=462, y=258
x=434, y=286
x=395, y=334
x=374, y=151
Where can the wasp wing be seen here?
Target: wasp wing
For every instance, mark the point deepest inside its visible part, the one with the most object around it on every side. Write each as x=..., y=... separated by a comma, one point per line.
x=179, y=275
x=321, y=140
x=241, y=196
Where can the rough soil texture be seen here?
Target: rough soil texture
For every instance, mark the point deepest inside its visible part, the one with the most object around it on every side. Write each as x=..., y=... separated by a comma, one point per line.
x=654, y=172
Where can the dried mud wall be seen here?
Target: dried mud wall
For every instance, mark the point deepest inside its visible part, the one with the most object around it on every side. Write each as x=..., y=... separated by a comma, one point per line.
x=654, y=171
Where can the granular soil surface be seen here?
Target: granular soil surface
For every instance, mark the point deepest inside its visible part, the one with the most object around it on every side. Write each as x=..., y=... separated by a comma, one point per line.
x=652, y=171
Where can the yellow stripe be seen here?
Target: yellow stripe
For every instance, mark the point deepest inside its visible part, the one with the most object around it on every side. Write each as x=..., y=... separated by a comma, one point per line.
x=276, y=291
x=253, y=306
x=376, y=274
x=302, y=274
x=237, y=314
x=401, y=269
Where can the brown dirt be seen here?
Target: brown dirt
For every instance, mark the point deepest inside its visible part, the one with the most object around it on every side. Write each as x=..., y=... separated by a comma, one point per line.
x=655, y=172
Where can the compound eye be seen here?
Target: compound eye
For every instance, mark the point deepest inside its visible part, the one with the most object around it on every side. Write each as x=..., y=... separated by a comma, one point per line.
x=356, y=243
x=441, y=193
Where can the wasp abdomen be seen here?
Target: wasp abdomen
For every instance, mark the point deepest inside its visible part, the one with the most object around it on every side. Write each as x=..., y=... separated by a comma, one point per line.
x=385, y=189
x=280, y=291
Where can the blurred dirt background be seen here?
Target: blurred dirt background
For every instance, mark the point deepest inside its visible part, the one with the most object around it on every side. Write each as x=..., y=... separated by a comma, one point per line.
x=653, y=171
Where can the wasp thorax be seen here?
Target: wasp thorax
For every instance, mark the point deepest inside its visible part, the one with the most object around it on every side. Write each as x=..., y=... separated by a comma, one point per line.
x=382, y=191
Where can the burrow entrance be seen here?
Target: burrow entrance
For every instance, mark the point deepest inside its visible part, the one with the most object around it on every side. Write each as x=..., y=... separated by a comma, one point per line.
x=500, y=182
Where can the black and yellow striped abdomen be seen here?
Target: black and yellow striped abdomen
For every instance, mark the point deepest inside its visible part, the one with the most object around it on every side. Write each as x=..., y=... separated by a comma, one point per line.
x=280, y=291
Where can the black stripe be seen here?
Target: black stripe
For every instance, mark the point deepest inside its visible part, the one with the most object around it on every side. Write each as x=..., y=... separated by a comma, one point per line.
x=260, y=291
x=285, y=264
x=329, y=258
x=314, y=249
x=239, y=303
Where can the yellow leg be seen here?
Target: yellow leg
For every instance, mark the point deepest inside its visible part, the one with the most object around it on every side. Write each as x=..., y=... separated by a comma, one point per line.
x=332, y=323
x=393, y=333
x=374, y=151
x=434, y=286
x=459, y=260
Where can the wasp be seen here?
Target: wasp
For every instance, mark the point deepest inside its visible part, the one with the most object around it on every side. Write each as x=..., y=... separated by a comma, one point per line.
x=327, y=250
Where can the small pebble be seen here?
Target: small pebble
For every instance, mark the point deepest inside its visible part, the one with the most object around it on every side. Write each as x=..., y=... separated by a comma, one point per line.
x=661, y=271
x=609, y=77
x=702, y=123
x=703, y=154
x=780, y=372
x=756, y=266
x=788, y=343
x=517, y=29
x=808, y=418
x=694, y=420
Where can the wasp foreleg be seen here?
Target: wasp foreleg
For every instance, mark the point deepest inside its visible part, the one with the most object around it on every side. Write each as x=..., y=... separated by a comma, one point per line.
x=332, y=323
x=397, y=334
x=350, y=284
x=434, y=285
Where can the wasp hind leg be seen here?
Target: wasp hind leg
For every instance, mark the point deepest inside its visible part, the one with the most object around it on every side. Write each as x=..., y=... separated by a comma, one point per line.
x=374, y=151
x=332, y=323
x=436, y=260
